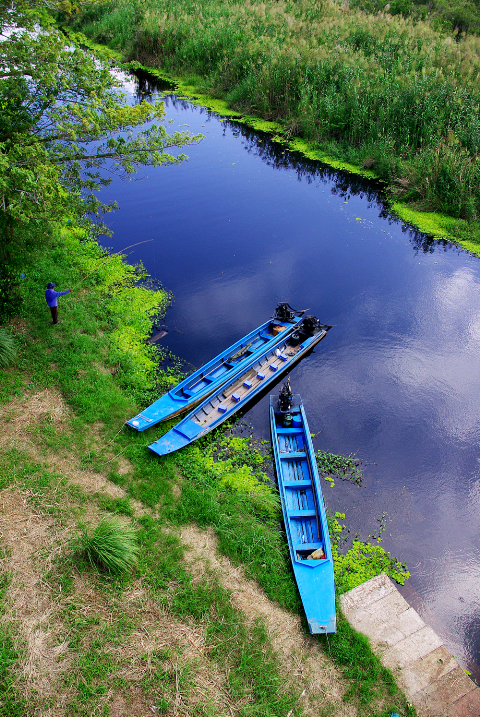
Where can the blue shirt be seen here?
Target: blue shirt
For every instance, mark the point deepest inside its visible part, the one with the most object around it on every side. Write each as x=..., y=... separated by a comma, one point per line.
x=51, y=296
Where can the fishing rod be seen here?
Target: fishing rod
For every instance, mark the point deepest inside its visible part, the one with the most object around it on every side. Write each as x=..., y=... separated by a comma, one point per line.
x=109, y=257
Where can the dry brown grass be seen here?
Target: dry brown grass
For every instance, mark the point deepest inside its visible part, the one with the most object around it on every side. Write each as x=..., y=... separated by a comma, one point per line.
x=21, y=419
x=301, y=656
x=34, y=540
x=30, y=604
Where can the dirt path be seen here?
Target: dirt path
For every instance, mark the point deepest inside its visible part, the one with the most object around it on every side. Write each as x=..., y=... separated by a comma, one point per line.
x=32, y=545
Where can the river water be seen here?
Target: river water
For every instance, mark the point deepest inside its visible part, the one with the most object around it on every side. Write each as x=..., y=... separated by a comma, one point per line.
x=245, y=224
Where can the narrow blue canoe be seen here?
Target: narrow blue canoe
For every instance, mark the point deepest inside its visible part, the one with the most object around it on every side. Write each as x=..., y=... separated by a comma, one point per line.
x=237, y=392
x=303, y=512
x=215, y=373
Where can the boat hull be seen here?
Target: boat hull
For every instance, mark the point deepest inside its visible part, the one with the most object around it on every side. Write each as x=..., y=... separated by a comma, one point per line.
x=236, y=393
x=304, y=515
x=206, y=380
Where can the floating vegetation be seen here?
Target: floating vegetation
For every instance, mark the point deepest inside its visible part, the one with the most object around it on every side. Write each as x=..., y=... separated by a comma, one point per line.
x=347, y=468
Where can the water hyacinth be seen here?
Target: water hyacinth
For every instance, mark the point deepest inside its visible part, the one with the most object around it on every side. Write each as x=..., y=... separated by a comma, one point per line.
x=111, y=546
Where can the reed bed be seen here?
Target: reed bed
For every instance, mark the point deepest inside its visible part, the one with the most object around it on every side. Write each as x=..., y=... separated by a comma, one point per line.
x=381, y=90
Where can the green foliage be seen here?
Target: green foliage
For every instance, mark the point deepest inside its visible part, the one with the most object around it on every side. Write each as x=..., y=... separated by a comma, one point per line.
x=7, y=348
x=111, y=546
x=362, y=561
x=239, y=466
x=105, y=302
x=348, y=468
x=461, y=16
x=388, y=90
x=63, y=119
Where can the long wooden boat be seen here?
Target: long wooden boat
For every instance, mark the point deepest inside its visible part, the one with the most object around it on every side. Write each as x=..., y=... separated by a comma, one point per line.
x=237, y=392
x=200, y=384
x=303, y=512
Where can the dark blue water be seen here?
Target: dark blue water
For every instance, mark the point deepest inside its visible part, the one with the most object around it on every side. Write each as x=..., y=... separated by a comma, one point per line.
x=244, y=224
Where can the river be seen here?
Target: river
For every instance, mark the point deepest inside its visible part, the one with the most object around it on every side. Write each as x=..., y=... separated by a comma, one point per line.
x=245, y=224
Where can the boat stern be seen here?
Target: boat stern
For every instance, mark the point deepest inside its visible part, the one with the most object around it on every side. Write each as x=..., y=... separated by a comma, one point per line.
x=162, y=409
x=326, y=625
x=178, y=437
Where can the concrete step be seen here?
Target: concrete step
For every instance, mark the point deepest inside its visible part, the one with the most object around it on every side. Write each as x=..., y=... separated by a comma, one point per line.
x=428, y=674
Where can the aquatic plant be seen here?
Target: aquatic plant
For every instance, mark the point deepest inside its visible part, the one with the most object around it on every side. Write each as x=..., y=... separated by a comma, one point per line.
x=348, y=468
x=363, y=559
x=111, y=546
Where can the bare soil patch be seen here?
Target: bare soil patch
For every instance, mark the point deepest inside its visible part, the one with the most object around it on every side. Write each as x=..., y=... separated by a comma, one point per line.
x=25, y=535
x=301, y=655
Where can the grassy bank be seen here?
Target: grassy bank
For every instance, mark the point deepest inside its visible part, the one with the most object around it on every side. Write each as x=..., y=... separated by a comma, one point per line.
x=192, y=629
x=376, y=91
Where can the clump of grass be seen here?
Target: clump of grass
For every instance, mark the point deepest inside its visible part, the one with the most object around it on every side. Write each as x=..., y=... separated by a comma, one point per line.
x=111, y=546
x=7, y=348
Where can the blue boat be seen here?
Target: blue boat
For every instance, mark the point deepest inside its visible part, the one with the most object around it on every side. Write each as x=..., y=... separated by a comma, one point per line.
x=211, y=376
x=303, y=510
x=239, y=390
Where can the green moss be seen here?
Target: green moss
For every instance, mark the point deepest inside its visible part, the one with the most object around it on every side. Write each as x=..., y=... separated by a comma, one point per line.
x=306, y=148
x=441, y=226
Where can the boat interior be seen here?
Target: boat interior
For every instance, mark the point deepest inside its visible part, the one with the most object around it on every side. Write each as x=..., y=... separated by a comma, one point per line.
x=300, y=497
x=226, y=363
x=227, y=398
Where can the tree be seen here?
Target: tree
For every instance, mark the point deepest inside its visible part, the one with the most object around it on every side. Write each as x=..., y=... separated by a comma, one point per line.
x=63, y=118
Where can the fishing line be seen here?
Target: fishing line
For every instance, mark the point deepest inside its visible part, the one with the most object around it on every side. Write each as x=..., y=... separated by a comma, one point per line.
x=109, y=257
x=116, y=434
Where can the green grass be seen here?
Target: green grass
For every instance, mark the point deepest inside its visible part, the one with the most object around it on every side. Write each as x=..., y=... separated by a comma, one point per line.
x=360, y=88
x=11, y=703
x=218, y=483
x=368, y=679
x=111, y=546
x=7, y=348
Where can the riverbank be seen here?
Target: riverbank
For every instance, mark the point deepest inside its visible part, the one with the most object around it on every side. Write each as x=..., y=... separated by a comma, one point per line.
x=195, y=626
x=375, y=106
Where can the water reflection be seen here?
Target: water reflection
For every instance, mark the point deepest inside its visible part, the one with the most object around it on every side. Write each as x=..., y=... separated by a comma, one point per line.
x=245, y=224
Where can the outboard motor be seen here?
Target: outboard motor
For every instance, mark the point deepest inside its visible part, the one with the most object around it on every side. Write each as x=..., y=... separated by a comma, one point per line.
x=285, y=398
x=284, y=312
x=310, y=324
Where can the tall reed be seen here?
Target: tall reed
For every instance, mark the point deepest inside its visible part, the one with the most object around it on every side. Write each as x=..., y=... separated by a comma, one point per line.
x=398, y=93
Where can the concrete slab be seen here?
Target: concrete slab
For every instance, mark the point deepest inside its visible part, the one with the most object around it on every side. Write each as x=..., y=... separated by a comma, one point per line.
x=430, y=676
x=467, y=706
x=367, y=593
x=441, y=693
x=388, y=620
x=417, y=675
x=411, y=648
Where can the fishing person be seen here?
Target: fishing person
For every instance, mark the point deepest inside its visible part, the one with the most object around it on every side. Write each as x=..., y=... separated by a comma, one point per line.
x=51, y=297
